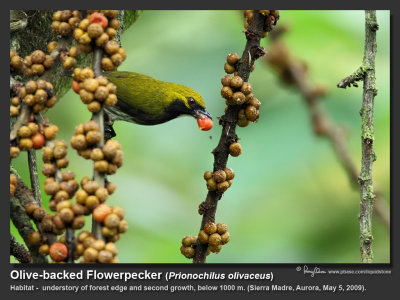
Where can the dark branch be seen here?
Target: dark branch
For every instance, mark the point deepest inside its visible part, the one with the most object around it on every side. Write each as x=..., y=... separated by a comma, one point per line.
x=21, y=220
x=99, y=119
x=34, y=176
x=228, y=121
x=71, y=244
x=19, y=252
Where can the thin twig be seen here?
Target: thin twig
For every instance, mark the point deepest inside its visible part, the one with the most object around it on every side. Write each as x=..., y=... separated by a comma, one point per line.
x=228, y=121
x=19, y=251
x=367, y=135
x=358, y=75
x=71, y=243
x=34, y=176
x=99, y=119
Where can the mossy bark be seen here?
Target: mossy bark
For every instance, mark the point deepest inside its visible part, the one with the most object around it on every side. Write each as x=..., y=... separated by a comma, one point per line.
x=30, y=30
x=367, y=137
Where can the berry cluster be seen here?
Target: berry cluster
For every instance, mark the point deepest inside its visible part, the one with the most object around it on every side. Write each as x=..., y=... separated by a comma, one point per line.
x=238, y=92
x=32, y=136
x=214, y=235
x=250, y=112
x=94, y=28
x=46, y=222
x=15, y=106
x=34, y=64
x=94, y=250
x=220, y=180
x=93, y=91
x=106, y=159
x=64, y=21
x=38, y=95
x=112, y=220
x=270, y=20
x=61, y=190
x=100, y=27
x=91, y=194
x=86, y=137
x=70, y=59
x=116, y=55
x=58, y=251
x=28, y=137
x=54, y=158
x=69, y=215
x=188, y=246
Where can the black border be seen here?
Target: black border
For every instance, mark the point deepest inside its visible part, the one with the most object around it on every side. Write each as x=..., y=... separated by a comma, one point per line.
x=382, y=285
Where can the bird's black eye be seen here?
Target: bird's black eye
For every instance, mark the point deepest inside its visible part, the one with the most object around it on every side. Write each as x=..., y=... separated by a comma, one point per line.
x=191, y=101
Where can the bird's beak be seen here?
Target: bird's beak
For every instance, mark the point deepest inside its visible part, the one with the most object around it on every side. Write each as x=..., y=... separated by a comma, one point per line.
x=201, y=113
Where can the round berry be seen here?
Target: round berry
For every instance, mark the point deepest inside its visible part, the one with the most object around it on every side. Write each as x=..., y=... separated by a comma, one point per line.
x=188, y=252
x=232, y=58
x=219, y=176
x=225, y=238
x=255, y=102
x=237, y=98
x=38, y=141
x=207, y=175
x=210, y=228
x=98, y=18
x=230, y=174
x=104, y=257
x=251, y=113
x=203, y=237
x=223, y=186
x=211, y=184
x=236, y=82
x=34, y=238
x=101, y=212
x=226, y=80
x=235, y=149
x=246, y=88
x=112, y=220
x=214, y=239
x=229, y=68
x=222, y=228
x=226, y=92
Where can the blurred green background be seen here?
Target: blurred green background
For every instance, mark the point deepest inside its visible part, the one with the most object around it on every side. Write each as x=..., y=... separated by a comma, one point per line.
x=291, y=201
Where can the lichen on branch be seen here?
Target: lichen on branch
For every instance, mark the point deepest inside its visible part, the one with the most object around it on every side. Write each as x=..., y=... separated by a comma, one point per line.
x=367, y=70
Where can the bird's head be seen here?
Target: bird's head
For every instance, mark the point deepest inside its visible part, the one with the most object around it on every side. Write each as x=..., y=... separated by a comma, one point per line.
x=187, y=101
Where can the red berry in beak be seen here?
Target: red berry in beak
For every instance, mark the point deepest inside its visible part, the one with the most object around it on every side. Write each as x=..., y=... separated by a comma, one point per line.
x=205, y=123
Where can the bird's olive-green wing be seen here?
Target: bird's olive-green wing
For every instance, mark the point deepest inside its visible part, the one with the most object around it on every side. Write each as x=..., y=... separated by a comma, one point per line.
x=140, y=92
